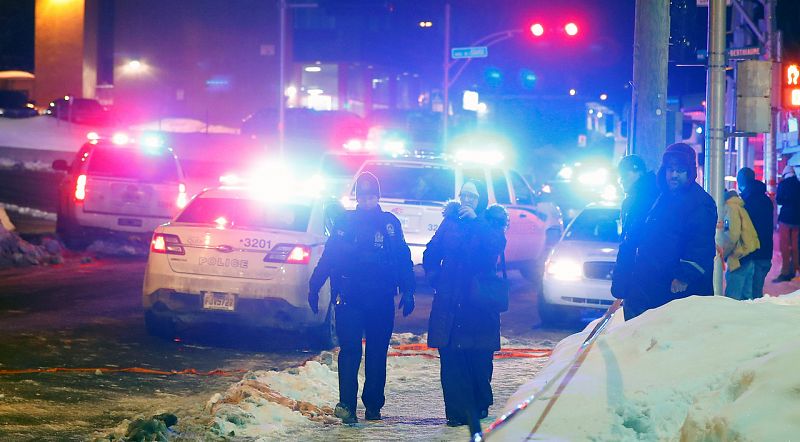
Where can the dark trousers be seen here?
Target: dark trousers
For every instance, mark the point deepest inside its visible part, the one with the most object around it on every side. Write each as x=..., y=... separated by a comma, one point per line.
x=760, y=269
x=352, y=324
x=632, y=308
x=466, y=383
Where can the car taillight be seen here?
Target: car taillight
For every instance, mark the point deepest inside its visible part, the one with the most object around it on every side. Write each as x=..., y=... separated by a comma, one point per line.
x=165, y=243
x=80, y=188
x=289, y=254
x=181, y=201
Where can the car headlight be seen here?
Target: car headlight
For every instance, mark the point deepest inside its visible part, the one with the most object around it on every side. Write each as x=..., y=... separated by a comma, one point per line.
x=597, y=177
x=565, y=269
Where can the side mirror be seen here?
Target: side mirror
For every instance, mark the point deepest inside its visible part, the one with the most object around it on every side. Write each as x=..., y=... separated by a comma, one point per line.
x=60, y=165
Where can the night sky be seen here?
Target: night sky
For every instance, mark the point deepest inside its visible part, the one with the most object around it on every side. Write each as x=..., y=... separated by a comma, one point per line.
x=599, y=59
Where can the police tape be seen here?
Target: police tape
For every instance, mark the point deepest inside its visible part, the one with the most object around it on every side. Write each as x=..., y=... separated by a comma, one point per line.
x=422, y=350
x=140, y=370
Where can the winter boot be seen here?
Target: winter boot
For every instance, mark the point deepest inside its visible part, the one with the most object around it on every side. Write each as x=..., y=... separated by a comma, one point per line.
x=344, y=413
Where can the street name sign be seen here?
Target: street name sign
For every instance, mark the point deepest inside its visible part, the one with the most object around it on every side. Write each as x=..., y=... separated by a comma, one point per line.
x=470, y=52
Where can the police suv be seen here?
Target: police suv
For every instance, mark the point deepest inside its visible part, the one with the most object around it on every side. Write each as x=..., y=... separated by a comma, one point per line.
x=118, y=186
x=240, y=255
x=416, y=189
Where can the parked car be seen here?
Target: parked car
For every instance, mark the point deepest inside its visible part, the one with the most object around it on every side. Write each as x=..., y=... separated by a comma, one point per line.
x=81, y=111
x=15, y=104
x=118, y=188
x=235, y=256
x=578, y=271
x=416, y=189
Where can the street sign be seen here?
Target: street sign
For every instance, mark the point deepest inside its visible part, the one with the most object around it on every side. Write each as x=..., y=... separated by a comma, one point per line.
x=748, y=53
x=470, y=52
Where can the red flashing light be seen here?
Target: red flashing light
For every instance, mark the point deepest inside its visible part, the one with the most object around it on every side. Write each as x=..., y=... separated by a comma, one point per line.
x=571, y=29
x=537, y=29
x=80, y=188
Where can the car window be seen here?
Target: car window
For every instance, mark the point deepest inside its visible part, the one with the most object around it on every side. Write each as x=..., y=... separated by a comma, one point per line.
x=341, y=165
x=414, y=182
x=600, y=225
x=130, y=163
x=500, y=186
x=245, y=213
x=522, y=193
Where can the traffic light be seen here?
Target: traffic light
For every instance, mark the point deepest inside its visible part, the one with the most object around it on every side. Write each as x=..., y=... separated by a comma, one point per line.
x=791, y=87
x=537, y=29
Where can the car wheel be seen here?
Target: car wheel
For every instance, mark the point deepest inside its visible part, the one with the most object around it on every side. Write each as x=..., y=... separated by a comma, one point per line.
x=71, y=234
x=160, y=326
x=326, y=335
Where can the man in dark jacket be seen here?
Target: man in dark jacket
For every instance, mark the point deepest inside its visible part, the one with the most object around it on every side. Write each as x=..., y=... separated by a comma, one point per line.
x=369, y=260
x=641, y=191
x=761, y=210
x=788, y=198
x=675, y=255
x=463, y=326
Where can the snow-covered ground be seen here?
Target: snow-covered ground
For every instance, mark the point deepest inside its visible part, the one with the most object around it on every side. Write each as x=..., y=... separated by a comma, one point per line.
x=698, y=369
x=295, y=404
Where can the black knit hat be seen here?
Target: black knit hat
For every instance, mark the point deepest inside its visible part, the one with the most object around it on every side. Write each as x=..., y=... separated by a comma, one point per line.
x=632, y=163
x=681, y=154
x=367, y=184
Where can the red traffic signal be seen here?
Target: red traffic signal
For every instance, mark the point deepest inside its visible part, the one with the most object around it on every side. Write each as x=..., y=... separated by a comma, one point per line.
x=571, y=29
x=791, y=87
x=537, y=29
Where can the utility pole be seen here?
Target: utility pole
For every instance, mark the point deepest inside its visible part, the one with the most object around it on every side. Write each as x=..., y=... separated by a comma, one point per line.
x=715, y=118
x=446, y=81
x=649, y=103
x=770, y=139
x=282, y=79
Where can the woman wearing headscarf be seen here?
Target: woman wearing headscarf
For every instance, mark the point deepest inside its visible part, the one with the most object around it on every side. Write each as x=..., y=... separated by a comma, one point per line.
x=466, y=245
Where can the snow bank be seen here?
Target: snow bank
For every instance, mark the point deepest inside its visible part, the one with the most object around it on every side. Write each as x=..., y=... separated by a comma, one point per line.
x=16, y=252
x=184, y=125
x=700, y=368
x=43, y=132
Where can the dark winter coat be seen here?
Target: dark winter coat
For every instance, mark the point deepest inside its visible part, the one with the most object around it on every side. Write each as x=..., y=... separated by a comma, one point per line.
x=788, y=198
x=761, y=210
x=633, y=213
x=460, y=251
x=676, y=242
x=367, y=259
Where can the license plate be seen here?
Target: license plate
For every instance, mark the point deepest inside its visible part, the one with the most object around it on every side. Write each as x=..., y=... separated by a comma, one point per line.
x=130, y=222
x=219, y=301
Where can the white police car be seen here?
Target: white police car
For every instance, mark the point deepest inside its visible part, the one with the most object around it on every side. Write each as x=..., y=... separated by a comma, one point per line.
x=240, y=255
x=578, y=271
x=118, y=186
x=416, y=188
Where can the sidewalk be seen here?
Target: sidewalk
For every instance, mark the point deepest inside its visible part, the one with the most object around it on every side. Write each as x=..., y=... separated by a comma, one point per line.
x=780, y=288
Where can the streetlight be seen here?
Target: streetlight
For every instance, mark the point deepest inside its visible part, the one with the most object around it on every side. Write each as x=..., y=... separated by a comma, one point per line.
x=572, y=92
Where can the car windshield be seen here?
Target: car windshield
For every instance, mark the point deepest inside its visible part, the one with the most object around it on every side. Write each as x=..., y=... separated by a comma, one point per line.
x=599, y=225
x=246, y=213
x=341, y=166
x=130, y=163
x=414, y=182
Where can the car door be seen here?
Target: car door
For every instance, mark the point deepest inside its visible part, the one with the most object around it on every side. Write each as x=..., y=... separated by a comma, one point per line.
x=525, y=234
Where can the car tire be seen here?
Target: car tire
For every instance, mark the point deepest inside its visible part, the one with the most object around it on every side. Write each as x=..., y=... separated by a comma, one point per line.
x=326, y=335
x=160, y=326
x=71, y=234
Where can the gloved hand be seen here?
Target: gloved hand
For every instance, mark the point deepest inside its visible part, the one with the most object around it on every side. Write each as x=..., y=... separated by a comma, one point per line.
x=313, y=301
x=466, y=212
x=406, y=303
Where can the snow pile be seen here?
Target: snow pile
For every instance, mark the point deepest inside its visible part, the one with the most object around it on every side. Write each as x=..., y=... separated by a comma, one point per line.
x=8, y=163
x=33, y=213
x=184, y=125
x=43, y=132
x=16, y=252
x=269, y=403
x=700, y=368
x=118, y=248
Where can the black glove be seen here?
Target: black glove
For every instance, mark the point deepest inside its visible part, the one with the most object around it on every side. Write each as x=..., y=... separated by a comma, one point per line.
x=313, y=301
x=407, y=304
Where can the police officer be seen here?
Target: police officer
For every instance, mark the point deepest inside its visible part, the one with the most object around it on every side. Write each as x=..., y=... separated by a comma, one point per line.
x=369, y=260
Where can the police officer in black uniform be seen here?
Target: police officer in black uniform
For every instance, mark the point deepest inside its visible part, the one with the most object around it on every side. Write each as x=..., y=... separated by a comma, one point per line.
x=369, y=260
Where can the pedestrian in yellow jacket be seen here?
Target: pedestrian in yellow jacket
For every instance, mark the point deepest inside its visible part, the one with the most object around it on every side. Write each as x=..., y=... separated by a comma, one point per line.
x=737, y=238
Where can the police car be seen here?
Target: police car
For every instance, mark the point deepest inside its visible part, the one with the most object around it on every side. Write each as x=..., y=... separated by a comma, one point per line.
x=416, y=188
x=578, y=272
x=118, y=186
x=240, y=255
